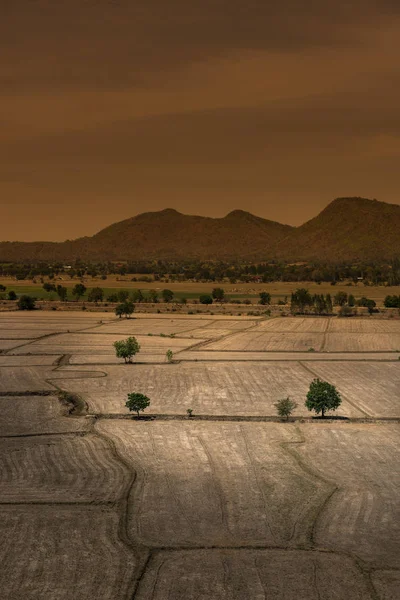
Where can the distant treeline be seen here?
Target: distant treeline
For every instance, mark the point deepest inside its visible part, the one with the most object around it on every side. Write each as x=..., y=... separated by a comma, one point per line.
x=385, y=273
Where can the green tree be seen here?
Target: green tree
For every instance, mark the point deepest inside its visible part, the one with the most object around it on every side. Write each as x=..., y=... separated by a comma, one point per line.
x=218, y=294
x=167, y=295
x=351, y=301
x=62, y=292
x=322, y=396
x=120, y=310
x=265, y=298
x=169, y=355
x=49, y=287
x=205, y=299
x=2, y=288
x=12, y=295
x=285, y=407
x=300, y=299
x=137, y=402
x=129, y=308
x=340, y=299
x=329, y=306
x=122, y=295
x=153, y=296
x=96, y=294
x=26, y=303
x=79, y=291
x=126, y=349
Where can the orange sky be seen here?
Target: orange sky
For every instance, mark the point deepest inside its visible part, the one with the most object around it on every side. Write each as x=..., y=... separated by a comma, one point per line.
x=110, y=108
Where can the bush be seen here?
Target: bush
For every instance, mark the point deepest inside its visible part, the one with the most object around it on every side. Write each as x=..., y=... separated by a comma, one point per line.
x=206, y=299
x=26, y=303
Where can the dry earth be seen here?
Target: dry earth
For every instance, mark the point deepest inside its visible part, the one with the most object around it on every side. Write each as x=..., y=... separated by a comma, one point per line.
x=231, y=507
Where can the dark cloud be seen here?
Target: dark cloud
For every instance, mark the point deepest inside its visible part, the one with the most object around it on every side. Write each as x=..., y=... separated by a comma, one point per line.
x=104, y=43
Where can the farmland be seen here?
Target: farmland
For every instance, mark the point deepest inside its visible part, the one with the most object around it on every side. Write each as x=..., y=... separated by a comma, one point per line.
x=192, y=290
x=230, y=504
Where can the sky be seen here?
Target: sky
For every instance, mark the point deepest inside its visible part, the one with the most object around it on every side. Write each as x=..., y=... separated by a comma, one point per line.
x=111, y=108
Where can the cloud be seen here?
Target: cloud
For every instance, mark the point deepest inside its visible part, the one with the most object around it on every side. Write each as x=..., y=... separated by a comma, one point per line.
x=104, y=44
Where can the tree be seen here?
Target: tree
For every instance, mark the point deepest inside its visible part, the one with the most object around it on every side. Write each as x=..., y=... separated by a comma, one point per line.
x=153, y=296
x=96, y=294
x=120, y=310
x=329, y=306
x=167, y=295
x=392, y=302
x=62, y=292
x=2, y=288
x=322, y=396
x=49, y=287
x=340, y=299
x=205, y=299
x=26, y=303
x=137, y=402
x=218, y=294
x=79, y=291
x=351, y=300
x=123, y=295
x=300, y=299
x=265, y=298
x=12, y=295
x=285, y=407
x=126, y=349
x=129, y=308
x=169, y=355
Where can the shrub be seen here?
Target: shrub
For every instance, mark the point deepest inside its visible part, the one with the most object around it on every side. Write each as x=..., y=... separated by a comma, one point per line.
x=285, y=407
x=26, y=303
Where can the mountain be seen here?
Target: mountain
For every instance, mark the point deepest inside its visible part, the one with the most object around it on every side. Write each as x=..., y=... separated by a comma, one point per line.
x=347, y=229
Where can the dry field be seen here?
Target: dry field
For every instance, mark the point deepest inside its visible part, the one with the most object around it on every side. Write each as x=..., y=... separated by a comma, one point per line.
x=209, y=388
x=63, y=552
x=231, y=507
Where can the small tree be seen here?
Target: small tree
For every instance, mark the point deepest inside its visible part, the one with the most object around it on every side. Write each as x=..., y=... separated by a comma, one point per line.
x=119, y=310
x=12, y=295
x=153, y=296
x=126, y=349
x=340, y=299
x=169, y=355
x=265, y=298
x=79, y=291
x=205, y=299
x=285, y=407
x=123, y=295
x=49, y=287
x=26, y=303
x=62, y=293
x=218, y=294
x=167, y=295
x=96, y=295
x=322, y=396
x=129, y=308
x=137, y=402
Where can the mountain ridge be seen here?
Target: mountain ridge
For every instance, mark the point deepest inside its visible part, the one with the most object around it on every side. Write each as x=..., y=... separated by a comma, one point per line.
x=348, y=228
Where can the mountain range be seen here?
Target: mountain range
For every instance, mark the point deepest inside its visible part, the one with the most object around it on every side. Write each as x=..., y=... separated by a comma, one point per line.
x=348, y=229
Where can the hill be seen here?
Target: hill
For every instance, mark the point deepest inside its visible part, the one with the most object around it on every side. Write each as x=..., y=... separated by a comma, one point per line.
x=347, y=229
